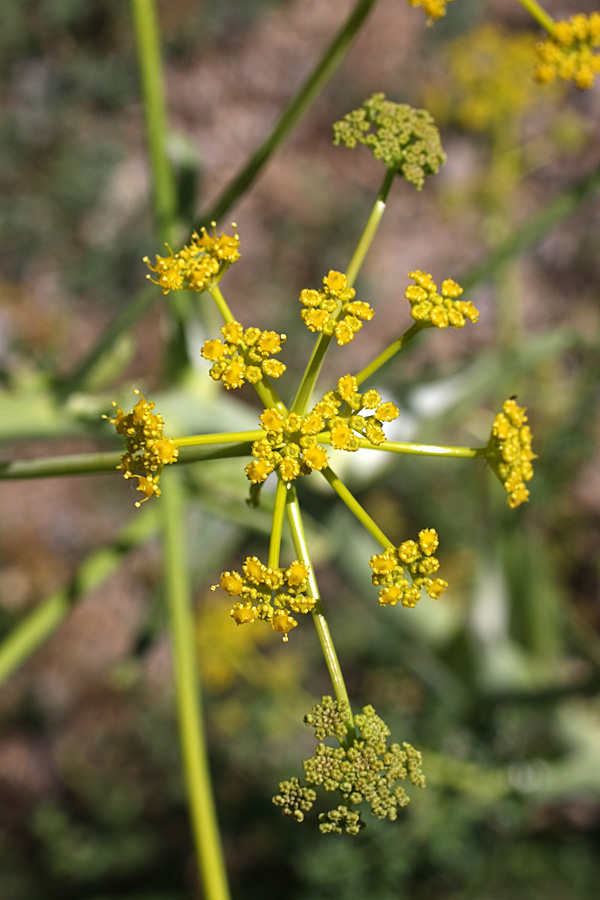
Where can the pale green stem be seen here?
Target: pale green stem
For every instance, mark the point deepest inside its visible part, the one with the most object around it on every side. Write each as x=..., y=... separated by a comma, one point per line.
x=149, y=55
x=225, y=437
x=389, y=352
x=189, y=709
x=308, y=93
x=324, y=634
x=311, y=373
x=265, y=390
x=277, y=526
x=42, y=621
x=539, y=14
x=355, y=508
x=373, y=222
x=416, y=449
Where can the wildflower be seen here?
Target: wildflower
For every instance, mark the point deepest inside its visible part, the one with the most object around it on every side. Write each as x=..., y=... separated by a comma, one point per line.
x=402, y=572
x=291, y=444
x=244, y=355
x=438, y=310
x=509, y=451
x=434, y=9
x=568, y=52
x=270, y=595
x=198, y=264
x=406, y=139
x=147, y=448
x=364, y=770
x=333, y=310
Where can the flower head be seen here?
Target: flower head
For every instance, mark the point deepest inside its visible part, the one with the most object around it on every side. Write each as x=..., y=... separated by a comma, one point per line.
x=333, y=310
x=406, y=139
x=147, y=448
x=244, y=355
x=569, y=52
x=366, y=770
x=291, y=444
x=198, y=264
x=269, y=595
x=438, y=309
x=434, y=9
x=402, y=572
x=509, y=451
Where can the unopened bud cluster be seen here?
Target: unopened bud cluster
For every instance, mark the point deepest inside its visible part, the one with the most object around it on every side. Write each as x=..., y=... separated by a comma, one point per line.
x=570, y=51
x=365, y=770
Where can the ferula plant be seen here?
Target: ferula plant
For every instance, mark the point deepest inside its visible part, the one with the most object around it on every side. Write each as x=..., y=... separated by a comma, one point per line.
x=294, y=440
x=358, y=767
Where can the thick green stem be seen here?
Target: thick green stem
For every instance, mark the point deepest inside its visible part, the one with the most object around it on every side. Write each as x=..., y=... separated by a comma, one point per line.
x=311, y=373
x=373, y=222
x=324, y=634
x=539, y=14
x=225, y=437
x=150, y=63
x=355, y=508
x=308, y=93
x=277, y=525
x=389, y=352
x=41, y=622
x=189, y=709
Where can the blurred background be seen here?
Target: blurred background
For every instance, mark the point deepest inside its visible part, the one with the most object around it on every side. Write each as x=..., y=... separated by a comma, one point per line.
x=497, y=681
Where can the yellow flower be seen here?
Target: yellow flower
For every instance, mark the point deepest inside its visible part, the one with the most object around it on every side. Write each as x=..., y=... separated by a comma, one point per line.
x=198, y=264
x=147, y=450
x=332, y=311
x=438, y=310
x=245, y=355
x=433, y=9
x=509, y=451
x=412, y=560
x=570, y=51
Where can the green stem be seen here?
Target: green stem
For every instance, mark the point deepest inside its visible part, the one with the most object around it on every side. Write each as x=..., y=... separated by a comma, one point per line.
x=103, y=463
x=366, y=238
x=215, y=292
x=149, y=56
x=539, y=14
x=311, y=373
x=189, y=709
x=39, y=624
x=277, y=526
x=308, y=93
x=354, y=506
x=225, y=437
x=389, y=352
x=324, y=634
x=419, y=449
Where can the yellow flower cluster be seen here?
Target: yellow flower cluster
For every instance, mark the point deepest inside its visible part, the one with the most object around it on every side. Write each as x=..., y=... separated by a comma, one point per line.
x=147, y=448
x=489, y=87
x=334, y=311
x=270, y=595
x=291, y=445
x=200, y=263
x=244, y=356
x=568, y=52
x=509, y=451
x=412, y=558
x=438, y=310
x=434, y=9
